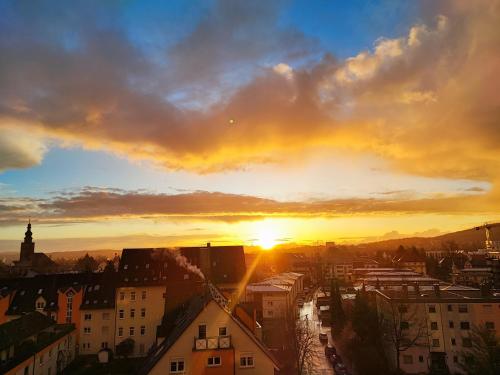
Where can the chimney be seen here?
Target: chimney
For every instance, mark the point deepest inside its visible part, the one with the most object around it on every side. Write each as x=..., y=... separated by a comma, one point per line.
x=208, y=244
x=485, y=289
x=437, y=291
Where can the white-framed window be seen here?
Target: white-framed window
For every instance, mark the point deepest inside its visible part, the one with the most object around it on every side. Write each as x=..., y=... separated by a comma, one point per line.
x=177, y=366
x=143, y=294
x=132, y=331
x=122, y=296
x=87, y=316
x=132, y=296
x=143, y=330
x=222, y=331
x=86, y=330
x=246, y=360
x=143, y=312
x=213, y=361
x=121, y=314
x=120, y=331
x=132, y=313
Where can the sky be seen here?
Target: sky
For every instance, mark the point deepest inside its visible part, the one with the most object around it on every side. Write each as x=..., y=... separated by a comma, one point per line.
x=153, y=123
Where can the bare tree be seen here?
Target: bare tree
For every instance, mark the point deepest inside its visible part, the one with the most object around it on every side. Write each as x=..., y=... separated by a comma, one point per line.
x=403, y=328
x=300, y=338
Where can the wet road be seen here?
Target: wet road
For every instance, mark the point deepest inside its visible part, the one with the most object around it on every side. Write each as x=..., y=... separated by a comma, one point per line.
x=321, y=365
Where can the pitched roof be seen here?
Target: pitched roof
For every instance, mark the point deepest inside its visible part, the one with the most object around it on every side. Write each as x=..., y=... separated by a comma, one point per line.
x=188, y=315
x=17, y=330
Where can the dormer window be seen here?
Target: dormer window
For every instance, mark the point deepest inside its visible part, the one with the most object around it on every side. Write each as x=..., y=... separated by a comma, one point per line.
x=96, y=287
x=40, y=291
x=125, y=267
x=147, y=265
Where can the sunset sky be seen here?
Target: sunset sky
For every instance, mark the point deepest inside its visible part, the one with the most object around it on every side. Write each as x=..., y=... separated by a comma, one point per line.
x=150, y=123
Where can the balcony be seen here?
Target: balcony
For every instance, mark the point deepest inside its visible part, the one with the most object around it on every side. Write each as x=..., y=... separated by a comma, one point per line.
x=211, y=343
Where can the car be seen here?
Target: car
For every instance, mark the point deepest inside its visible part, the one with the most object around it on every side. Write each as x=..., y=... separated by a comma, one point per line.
x=323, y=336
x=329, y=350
x=340, y=369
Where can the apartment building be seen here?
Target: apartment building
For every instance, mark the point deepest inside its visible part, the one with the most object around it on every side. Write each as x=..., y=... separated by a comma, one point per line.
x=208, y=339
x=276, y=296
x=34, y=344
x=442, y=319
x=97, y=317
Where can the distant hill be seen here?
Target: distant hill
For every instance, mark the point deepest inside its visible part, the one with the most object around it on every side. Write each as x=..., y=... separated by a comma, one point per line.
x=468, y=239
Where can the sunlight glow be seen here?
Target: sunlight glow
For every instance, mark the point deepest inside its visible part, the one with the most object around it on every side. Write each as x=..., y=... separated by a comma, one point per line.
x=267, y=235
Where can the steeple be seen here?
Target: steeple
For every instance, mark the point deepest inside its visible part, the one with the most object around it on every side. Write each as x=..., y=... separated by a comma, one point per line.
x=28, y=235
x=27, y=246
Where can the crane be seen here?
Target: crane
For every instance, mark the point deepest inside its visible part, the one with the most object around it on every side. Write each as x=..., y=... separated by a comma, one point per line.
x=490, y=244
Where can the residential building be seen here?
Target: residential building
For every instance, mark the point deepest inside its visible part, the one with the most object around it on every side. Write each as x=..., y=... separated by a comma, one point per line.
x=411, y=261
x=472, y=276
x=440, y=321
x=222, y=265
x=98, y=317
x=35, y=344
x=208, y=339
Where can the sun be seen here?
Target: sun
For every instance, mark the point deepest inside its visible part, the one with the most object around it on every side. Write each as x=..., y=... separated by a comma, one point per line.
x=267, y=236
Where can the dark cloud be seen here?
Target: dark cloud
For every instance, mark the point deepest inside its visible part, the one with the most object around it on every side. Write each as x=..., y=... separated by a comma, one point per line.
x=91, y=204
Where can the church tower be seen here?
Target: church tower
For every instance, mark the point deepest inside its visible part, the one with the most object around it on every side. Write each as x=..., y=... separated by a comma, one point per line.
x=27, y=246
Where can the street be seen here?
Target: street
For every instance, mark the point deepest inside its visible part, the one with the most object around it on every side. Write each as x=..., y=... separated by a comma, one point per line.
x=321, y=365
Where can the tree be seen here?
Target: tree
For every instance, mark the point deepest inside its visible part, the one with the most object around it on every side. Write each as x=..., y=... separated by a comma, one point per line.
x=301, y=343
x=483, y=357
x=125, y=348
x=86, y=264
x=366, y=349
x=403, y=327
x=338, y=317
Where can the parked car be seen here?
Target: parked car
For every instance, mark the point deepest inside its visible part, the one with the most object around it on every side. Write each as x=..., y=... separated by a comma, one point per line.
x=340, y=369
x=323, y=336
x=329, y=350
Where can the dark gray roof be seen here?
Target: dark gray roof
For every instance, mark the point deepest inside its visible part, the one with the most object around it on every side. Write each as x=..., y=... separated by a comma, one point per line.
x=17, y=330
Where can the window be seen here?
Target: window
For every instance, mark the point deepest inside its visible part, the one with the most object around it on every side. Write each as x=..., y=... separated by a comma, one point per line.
x=50, y=353
x=432, y=309
x=132, y=296
x=434, y=326
x=104, y=345
x=421, y=358
x=143, y=330
x=132, y=313
x=105, y=316
x=464, y=325
x=132, y=331
x=450, y=307
x=26, y=370
x=86, y=330
x=453, y=342
x=451, y=324
x=202, y=331
x=213, y=361
x=407, y=359
x=222, y=331
x=404, y=325
x=122, y=296
x=143, y=294
x=246, y=360
x=177, y=366
x=466, y=342
x=435, y=342
x=143, y=312
x=489, y=325
x=120, y=331
x=87, y=316
x=462, y=308
x=40, y=305
x=121, y=314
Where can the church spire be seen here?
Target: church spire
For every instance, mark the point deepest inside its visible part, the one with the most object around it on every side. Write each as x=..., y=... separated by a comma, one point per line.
x=28, y=236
